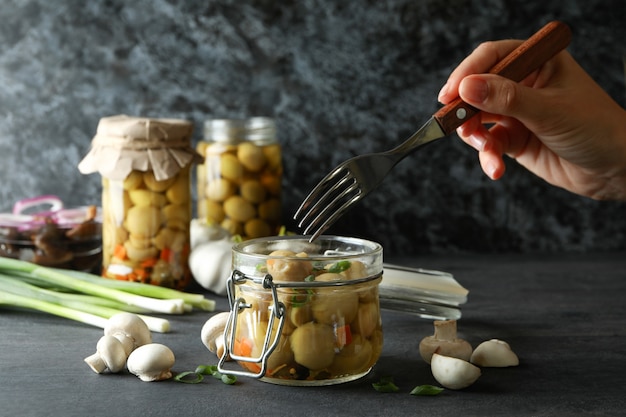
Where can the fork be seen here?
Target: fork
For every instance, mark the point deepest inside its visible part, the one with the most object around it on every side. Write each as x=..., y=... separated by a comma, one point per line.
x=355, y=178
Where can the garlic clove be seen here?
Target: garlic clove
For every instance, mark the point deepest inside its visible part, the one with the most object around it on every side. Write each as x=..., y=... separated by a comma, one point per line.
x=494, y=353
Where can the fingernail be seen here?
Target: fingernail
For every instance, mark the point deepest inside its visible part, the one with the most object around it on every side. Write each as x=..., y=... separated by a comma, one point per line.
x=474, y=90
x=443, y=91
x=478, y=142
x=490, y=170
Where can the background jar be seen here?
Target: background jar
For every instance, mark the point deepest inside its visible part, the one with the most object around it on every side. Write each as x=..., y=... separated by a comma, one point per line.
x=239, y=183
x=305, y=313
x=146, y=198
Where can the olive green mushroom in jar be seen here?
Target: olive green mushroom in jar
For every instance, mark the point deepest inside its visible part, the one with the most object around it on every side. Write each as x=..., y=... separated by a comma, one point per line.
x=239, y=183
x=331, y=329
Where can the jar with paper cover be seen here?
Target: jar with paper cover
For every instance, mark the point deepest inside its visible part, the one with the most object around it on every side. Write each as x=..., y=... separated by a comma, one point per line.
x=145, y=165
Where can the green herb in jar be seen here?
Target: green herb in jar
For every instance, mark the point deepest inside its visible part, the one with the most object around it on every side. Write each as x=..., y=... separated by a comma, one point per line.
x=340, y=266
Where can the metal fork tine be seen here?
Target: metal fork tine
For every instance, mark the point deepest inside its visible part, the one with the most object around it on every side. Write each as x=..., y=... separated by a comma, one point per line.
x=332, y=194
x=330, y=206
x=322, y=188
x=335, y=215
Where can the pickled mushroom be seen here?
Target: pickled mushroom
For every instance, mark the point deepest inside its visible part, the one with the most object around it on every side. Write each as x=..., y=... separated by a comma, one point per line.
x=313, y=345
x=251, y=156
x=333, y=305
x=354, y=357
x=50, y=244
x=287, y=270
x=367, y=319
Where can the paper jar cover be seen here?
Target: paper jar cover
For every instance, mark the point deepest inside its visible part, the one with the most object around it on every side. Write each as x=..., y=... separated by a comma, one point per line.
x=124, y=143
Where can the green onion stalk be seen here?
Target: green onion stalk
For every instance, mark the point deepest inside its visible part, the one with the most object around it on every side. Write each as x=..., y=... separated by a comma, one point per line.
x=89, y=298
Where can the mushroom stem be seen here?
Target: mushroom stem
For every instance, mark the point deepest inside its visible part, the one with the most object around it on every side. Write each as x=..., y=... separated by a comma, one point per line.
x=445, y=342
x=110, y=354
x=96, y=363
x=445, y=330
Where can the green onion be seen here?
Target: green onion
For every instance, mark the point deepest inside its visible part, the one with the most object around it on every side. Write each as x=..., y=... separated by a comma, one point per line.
x=385, y=385
x=84, y=303
x=194, y=300
x=14, y=300
x=212, y=370
x=206, y=369
x=426, y=390
x=63, y=279
x=89, y=298
x=189, y=377
x=229, y=379
x=338, y=267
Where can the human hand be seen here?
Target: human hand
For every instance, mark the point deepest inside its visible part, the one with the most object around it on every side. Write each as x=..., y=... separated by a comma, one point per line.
x=558, y=123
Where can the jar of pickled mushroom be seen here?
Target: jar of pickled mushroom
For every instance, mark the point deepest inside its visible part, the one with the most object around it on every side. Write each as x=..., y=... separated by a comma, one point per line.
x=239, y=183
x=146, y=198
x=304, y=313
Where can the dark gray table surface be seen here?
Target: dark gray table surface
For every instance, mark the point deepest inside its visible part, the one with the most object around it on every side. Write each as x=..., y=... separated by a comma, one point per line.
x=563, y=315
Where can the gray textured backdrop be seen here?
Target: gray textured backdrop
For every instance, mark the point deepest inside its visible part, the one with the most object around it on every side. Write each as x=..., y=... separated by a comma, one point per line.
x=340, y=77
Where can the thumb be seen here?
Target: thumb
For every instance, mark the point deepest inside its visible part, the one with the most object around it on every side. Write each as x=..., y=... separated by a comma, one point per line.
x=499, y=95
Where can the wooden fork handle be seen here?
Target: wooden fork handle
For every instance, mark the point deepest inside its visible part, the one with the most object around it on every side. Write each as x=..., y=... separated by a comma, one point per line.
x=526, y=58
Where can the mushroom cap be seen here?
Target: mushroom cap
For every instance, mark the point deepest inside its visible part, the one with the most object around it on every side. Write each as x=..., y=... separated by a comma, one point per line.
x=151, y=362
x=494, y=353
x=453, y=373
x=110, y=354
x=457, y=348
x=128, y=325
x=212, y=329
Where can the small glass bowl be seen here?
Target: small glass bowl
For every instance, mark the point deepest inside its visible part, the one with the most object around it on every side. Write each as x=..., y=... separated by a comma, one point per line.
x=303, y=313
x=51, y=240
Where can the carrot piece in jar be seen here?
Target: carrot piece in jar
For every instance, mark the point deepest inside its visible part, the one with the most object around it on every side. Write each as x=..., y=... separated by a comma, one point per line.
x=166, y=254
x=120, y=252
x=343, y=336
x=149, y=263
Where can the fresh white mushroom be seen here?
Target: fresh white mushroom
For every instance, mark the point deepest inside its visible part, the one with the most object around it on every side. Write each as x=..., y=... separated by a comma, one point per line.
x=453, y=373
x=110, y=355
x=212, y=334
x=129, y=329
x=123, y=332
x=494, y=353
x=445, y=342
x=151, y=362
